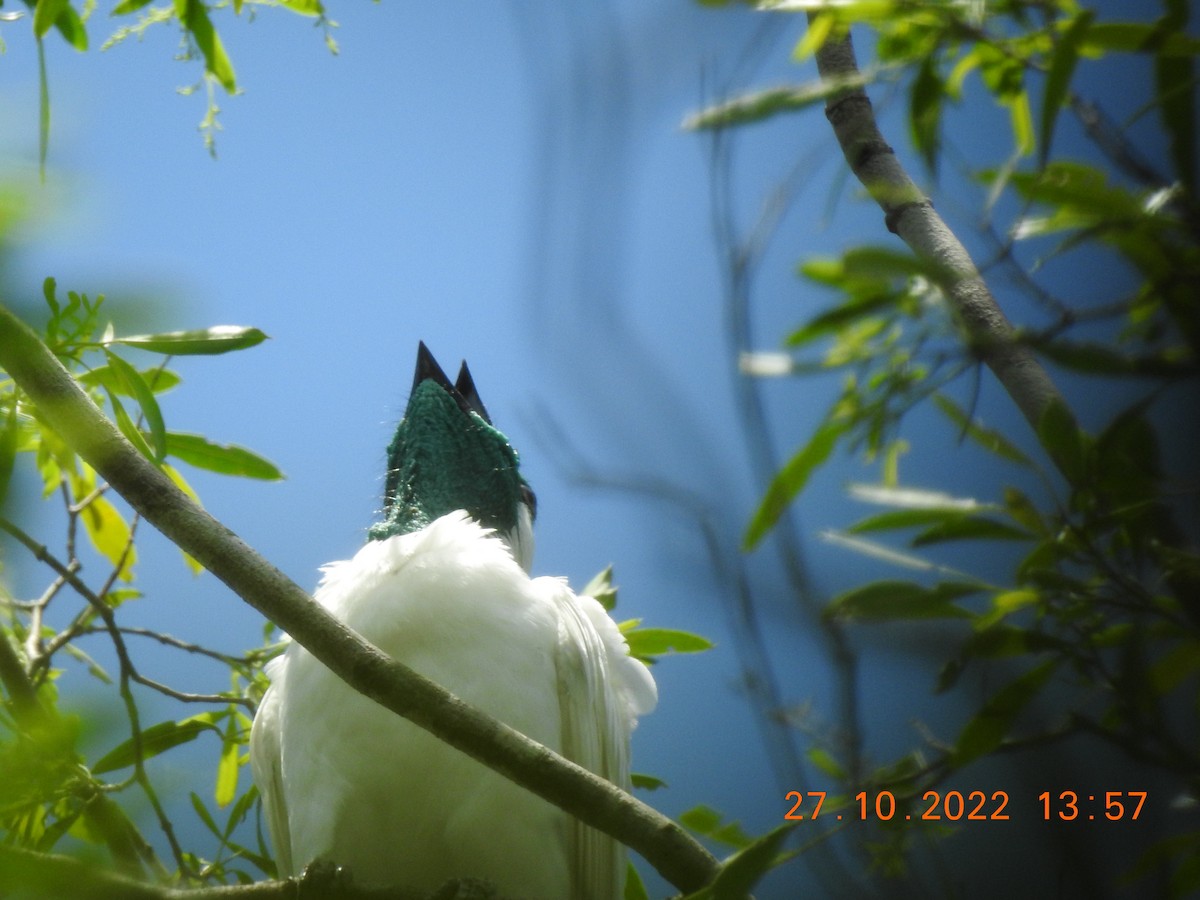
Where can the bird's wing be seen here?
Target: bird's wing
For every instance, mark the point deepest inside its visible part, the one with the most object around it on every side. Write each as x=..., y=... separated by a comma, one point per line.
x=601, y=690
x=266, y=764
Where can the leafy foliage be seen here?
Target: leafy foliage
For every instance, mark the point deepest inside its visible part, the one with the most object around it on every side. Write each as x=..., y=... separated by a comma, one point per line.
x=1101, y=604
x=53, y=792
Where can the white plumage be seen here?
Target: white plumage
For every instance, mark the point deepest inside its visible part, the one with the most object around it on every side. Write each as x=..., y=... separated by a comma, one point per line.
x=346, y=780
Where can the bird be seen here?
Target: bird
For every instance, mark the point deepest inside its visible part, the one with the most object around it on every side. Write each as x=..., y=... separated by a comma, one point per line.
x=443, y=585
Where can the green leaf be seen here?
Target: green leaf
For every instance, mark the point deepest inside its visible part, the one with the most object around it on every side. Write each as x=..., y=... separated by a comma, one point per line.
x=216, y=61
x=905, y=518
x=991, y=440
x=8, y=450
x=305, y=7
x=45, y=14
x=1063, y=440
x=651, y=642
x=1058, y=79
x=707, y=822
x=1138, y=37
x=888, y=600
x=1175, y=78
x=159, y=380
x=744, y=869
x=128, y=6
x=227, y=459
x=760, y=105
x=984, y=733
x=602, y=589
x=70, y=26
x=825, y=763
x=925, y=111
x=227, y=767
x=157, y=739
x=970, y=528
x=131, y=432
x=634, y=889
x=791, y=479
x=133, y=383
x=110, y=535
x=646, y=782
x=201, y=342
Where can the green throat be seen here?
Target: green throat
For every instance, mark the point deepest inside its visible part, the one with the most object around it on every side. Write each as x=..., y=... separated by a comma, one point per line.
x=446, y=456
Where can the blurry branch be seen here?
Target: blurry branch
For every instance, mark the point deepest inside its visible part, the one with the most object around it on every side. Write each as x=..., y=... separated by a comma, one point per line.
x=910, y=215
x=67, y=409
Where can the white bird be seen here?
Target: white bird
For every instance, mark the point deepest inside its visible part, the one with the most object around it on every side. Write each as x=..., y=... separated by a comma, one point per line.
x=443, y=586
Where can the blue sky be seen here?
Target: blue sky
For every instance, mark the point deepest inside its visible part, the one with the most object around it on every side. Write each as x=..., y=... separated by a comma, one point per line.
x=509, y=183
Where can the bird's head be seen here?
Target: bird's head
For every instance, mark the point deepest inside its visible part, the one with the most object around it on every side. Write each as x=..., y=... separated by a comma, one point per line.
x=446, y=455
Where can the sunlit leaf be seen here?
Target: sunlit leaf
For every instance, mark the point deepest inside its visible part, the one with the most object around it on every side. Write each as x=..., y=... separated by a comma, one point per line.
x=227, y=459
x=227, y=766
x=182, y=484
x=136, y=386
x=764, y=104
x=913, y=498
x=157, y=739
x=216, y=61
x=791, y=480
x=45, y=14
x=199, y=342
x=602, y=589
x=110, y=535
x=651, y=642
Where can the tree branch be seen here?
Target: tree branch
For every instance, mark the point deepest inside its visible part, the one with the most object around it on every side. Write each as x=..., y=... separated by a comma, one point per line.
x=910, y=215
x=66, y=408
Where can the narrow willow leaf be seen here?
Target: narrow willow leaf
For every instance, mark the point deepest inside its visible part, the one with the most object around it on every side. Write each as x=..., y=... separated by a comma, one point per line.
x=707, y=822
x=1058, y=80
x=1062, y=439
x=136, y=386
x=204, y=814
x=227, y=766
x=891, y=600
x=646, y=782
x=988, y=728
x=8, y=448
x=110, y=535
x=158, y=379
x=744, y=869
x=216, y=61
x=601, y=589
x=157, y=739
x=129, y=429
x=791, y=479
x=201, y=342
x=1022, y=123
x=45, y=14
x=913, y=498
x=991, y=440
x=970, y=528
x=71, y=27
x=182, y=484
x=650, y=642
x=925, y=111
x=43, y=124
x=905, y=518
x=128, y=6
x=760, y=105
x=304, y=7
x=634, y=889
x=227, y=459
